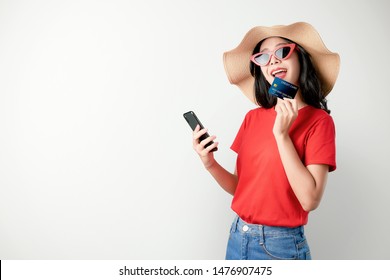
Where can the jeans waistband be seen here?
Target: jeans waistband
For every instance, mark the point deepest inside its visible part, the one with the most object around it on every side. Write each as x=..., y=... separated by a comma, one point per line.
x=244, y=227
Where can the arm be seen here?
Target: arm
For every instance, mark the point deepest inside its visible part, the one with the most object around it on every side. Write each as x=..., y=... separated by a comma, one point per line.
x=308, y=183
x=224, y=178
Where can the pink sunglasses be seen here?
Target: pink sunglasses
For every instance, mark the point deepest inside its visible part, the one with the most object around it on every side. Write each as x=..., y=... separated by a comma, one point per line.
x=282, y=52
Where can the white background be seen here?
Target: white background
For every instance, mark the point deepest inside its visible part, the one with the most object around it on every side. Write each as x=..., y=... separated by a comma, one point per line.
x=96, y=160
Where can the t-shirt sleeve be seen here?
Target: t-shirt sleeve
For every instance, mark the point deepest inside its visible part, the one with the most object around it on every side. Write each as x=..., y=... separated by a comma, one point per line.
x=321, y=144
x=239, y=137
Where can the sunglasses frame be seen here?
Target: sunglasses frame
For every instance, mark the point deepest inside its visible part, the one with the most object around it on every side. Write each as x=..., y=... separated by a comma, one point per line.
x=273, y=53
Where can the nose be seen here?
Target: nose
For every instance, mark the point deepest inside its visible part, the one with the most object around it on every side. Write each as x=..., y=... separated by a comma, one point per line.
x=273, y=60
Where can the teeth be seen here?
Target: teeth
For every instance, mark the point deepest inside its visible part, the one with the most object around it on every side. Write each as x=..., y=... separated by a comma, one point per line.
x=278, y=71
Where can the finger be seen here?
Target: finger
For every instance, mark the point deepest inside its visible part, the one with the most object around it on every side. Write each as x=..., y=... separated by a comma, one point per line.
x=197, y=128
x=278, y=110
x=288, y=101
x=207, y=150
x=196, y=135
x=292, y=107
x=207, y=140
x=289, y=107
x=200, y=146
x=199, y=133
x=283, y=107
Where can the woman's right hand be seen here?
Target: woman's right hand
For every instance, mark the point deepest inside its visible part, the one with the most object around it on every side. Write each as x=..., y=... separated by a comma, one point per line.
x=205, y=155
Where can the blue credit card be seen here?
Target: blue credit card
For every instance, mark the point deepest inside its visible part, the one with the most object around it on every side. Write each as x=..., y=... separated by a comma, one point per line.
x=282, y=89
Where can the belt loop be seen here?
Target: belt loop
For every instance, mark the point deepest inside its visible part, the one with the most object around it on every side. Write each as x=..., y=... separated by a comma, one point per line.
x=262, y=237
x=235, y=224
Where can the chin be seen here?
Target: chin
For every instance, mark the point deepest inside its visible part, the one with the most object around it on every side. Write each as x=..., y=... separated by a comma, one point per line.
x=291, y=81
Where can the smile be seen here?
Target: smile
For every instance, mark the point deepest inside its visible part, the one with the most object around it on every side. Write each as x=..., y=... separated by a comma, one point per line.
x=278, y=71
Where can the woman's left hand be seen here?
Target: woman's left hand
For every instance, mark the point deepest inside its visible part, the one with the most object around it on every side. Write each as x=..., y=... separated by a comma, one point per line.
x=286, y=113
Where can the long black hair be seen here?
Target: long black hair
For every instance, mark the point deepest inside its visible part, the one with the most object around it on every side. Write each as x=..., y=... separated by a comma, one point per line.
x=309, y=82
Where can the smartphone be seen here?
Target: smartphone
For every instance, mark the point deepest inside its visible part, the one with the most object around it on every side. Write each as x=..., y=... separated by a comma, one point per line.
x=193, y=121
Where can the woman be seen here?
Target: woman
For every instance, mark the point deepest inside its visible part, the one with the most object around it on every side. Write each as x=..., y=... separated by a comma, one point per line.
x=285, y=147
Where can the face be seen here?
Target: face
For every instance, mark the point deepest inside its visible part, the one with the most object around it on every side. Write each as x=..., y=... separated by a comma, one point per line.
x=287, y=69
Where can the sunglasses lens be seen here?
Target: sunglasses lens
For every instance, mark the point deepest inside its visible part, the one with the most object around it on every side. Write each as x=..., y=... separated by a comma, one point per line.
x=283, y=52
x=262, y=59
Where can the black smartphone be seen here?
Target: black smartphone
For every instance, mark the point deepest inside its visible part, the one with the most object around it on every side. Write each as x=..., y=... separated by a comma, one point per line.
x=193, y=121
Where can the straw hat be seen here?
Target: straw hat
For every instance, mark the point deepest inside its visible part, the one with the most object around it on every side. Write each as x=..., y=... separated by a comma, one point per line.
x=237, y=61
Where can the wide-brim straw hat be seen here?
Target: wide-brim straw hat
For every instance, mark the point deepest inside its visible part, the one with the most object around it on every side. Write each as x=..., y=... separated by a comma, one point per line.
x=237, y=61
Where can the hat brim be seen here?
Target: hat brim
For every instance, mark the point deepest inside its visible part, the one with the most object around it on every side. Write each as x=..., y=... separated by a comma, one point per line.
x=237, y=61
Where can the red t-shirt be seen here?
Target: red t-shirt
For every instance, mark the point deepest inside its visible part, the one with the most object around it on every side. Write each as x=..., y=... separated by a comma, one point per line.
x=263, y=194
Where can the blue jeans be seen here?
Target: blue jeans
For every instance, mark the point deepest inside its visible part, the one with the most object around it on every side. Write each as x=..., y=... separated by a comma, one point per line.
x=258, y=242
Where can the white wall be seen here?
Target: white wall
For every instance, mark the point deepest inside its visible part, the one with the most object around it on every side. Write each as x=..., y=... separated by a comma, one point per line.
x=96, y=159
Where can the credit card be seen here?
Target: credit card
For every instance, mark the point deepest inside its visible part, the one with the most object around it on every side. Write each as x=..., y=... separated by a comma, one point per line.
x=282, y=89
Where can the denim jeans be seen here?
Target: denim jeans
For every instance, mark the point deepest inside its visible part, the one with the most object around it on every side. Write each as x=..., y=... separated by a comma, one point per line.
x=258, y=242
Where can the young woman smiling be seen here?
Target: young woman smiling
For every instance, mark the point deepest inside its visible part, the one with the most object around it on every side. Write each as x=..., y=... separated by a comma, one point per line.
x=285, y=147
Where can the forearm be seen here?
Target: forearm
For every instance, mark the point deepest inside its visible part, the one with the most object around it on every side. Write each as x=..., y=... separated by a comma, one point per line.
x=224, y=178
x=301, y=180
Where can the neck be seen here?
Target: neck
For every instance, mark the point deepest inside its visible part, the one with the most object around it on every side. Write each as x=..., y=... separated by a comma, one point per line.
x=299, y=100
